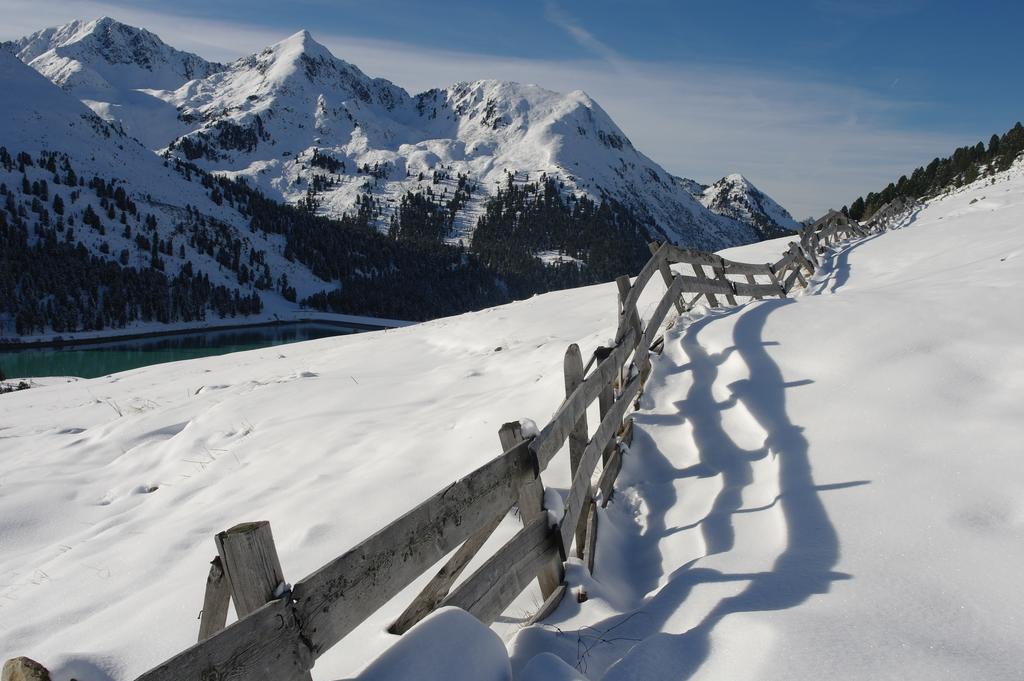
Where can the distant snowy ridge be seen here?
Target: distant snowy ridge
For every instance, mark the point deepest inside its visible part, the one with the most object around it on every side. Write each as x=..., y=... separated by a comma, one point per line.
x=110, y=66
x=736, y=197
x=262, y=116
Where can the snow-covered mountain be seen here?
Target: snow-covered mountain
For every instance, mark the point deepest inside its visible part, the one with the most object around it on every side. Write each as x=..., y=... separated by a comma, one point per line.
x=265, y=114
x=736, y=197
x=155, y=139
x=294, y=111
x=66, y=174
x=111, y=66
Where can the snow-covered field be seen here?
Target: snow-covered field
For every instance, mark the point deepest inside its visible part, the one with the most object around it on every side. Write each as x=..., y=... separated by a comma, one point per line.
x=821, y=487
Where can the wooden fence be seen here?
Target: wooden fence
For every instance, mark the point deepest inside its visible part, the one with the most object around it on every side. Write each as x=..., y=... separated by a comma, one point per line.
x=281, y=633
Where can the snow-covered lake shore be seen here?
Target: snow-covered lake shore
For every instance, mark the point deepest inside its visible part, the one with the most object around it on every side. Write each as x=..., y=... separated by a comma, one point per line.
x=156, y=329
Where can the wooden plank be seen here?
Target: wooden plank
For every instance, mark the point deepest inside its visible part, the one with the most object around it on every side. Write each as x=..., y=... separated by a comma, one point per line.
x=580, y=488
x=590, y=538
x=708, y=287
x=803, y=261
x=751, y=282
x=629, y=316
x=531, y=507
x=605, y=401
x=573, y=370
x=785, y=261
x=215, y=601
x=755, y=290
x=792, y=279
x=688, y=256
x=487, y=592
x=438, y=587
x=630, y=313
x=265, y=645
x=642, y=357
x=666, y=276
x=703, y=282
x=554, y=434
x=745, y=268
x=781, y=291
x=336, y=598
x=799, y=262
x=808, y=250
x=606, y=483
x=830, y=215
x=719, y=270
x=644, y=276
x=549, y=605
x=253, y=570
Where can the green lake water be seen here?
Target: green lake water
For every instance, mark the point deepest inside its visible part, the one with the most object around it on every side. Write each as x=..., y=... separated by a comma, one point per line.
x=108, y=357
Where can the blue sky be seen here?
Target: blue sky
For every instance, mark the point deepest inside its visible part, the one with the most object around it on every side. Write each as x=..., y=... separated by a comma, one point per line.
x=816, y=102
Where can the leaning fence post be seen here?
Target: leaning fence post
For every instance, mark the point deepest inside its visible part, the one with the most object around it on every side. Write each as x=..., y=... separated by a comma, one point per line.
x=531, y=505
x=215, y=601
x=775, y=280
x=798, y=263
x=627, y=318
x=438, y=587
x=719, y=269
x=252, y=567
x=699, y=271
x=666, y=275
x=605, y=400
x=573, y=366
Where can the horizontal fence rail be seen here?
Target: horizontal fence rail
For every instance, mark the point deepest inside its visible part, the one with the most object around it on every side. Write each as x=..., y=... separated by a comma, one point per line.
x=282, y=632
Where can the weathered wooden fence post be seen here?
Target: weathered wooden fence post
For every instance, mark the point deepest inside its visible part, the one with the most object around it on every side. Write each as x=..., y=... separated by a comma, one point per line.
x=627, y=318
x=531, y=505
x=667, y=277
x=699, y=271
x=253, y=569
x=215, y=602
x=719, y=269
x=751, y=280
x=578, y=438
x=775, y=280
x=605, y=399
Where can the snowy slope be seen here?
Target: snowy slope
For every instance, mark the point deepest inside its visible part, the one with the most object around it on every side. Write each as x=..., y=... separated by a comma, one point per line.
x=39, y=117
x=263, y=115
x=849, y=512
x=110, y=66
x=736, y=197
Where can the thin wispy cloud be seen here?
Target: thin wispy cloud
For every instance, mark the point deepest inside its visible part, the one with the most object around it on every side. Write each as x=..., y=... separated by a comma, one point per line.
x=811, y=144
x=581, y=36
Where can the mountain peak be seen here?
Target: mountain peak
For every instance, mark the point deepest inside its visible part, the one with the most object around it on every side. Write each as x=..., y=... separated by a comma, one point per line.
x=88, y=50
x=106, y=22
x=735, y=196
x=735, y=178
x=301, y=43
x=106, y=33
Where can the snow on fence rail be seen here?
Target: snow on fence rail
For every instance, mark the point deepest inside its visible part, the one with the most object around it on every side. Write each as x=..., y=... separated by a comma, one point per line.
x=280, y=632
